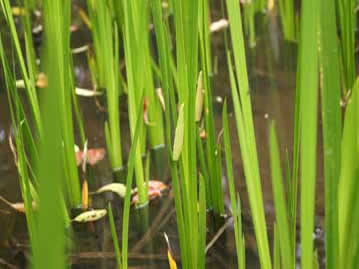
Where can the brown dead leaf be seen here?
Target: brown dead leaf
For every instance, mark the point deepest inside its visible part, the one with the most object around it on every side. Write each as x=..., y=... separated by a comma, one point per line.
x=146, y=104
x=155, y=189
x=93, y=156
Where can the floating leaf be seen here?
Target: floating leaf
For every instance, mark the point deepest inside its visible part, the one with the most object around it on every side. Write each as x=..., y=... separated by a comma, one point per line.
x=179, y=134
x=117, y=188
x=199, y=97
x=91, y=215
x=80, y=49
x=87, y=92
x=156, y=184
x=85, y=195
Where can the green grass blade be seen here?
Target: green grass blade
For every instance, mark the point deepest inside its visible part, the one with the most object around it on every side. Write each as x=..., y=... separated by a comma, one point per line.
x=235, y=201
x=106, y=44
x=129, y=178
x=29, y=85
x=279, y=201
x=347, y=24
x=348, y=183
x=202, y=223
x=114, y=237
x=214, y=188
x=332, y=127
x=308, y=80
x=276, y=248
x=245, y=128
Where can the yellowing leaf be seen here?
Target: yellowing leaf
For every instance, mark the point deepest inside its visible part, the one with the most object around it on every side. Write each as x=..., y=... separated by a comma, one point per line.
x=179, y=135
x=85, y=195
x=171, y=260
x=117, y=188
x=18, y=11
x=270, y=5
x=91, y=215
x=199, y=97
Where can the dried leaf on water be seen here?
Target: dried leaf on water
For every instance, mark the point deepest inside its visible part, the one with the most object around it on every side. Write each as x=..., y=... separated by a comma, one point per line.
x=179, y=135
x=18, y=207
x=91, y=215
x=117, y=188
x=81, y=49
x=171, y=260
x=93, y=156
x=87, y=92
x=155, y=189
x=156, y=184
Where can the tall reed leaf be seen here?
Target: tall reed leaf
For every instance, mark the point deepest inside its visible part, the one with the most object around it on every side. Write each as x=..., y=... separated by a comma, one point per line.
x=235, y=201
x=19, y=125
x=308, y=81
x=332, y=126
x=287, y=18
x=245, y=128
x=105, y=36
x=214, y=187
x=280, y=203
x=348, y=201
x=129, y=178
x=57, y=143
x=29, y=84
x=165, y=60
x=347, y=25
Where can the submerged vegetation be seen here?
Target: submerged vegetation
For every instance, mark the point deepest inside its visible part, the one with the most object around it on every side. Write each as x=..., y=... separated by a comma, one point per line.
x=156, y=58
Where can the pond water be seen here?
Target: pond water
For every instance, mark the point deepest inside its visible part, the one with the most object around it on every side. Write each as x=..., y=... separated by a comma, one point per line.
x=271, y=66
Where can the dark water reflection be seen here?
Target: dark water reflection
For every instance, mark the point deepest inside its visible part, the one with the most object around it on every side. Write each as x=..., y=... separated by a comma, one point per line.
x=271, y=66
